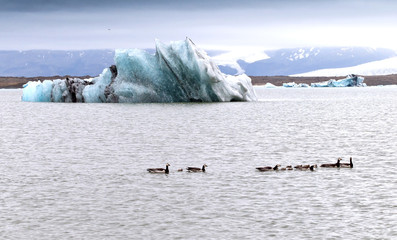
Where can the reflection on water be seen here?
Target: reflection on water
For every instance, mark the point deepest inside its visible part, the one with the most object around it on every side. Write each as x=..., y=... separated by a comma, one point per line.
x=79, y=170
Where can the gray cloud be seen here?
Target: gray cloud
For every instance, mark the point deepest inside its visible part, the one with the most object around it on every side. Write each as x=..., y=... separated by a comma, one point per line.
x=79, y=5
x=84, y=24
x=84, y=5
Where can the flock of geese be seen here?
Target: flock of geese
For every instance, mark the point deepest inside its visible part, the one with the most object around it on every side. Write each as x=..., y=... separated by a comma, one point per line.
x=338, y=164
x=166, y=170
x=278, y=167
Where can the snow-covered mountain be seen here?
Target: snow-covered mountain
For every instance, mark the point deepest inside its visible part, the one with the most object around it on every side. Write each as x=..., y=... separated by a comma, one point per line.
x=381, y=67
x=301, y=60
x=228, y=61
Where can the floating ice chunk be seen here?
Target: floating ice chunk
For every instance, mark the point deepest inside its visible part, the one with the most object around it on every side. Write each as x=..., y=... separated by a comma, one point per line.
x=350, y=81
x=303, y=85
x=322, y=84
x=295, y=85
x=289, y=85
x=269, y=85
x=177, y=72
x=37, y=91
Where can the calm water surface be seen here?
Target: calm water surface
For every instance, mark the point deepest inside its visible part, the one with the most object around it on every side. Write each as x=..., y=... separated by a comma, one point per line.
x=78, y=171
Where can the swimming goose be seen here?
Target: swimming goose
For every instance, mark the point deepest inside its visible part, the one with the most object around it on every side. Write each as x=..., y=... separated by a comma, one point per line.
x=160, y=170
x=196, y=169
x=289, y=167
x=347, y=165
x=302, y=167
x=264, y=169
x=331, y=165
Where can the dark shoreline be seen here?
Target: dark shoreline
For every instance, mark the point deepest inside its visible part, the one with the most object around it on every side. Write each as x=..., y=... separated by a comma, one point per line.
x=18, y=82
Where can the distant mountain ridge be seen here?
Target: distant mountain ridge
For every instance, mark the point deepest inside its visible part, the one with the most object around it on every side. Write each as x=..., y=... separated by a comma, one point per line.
x=284, y=62
x=34, y=63
x=281, y=62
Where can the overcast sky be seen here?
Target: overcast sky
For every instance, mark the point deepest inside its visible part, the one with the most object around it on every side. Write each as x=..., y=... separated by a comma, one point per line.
x=211, y=24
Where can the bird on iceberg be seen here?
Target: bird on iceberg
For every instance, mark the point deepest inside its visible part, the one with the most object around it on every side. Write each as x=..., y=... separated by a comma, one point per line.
x=159, y=170
x=196, y=169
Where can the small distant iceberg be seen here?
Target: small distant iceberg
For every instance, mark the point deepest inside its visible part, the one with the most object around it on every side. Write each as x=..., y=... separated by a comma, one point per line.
x=350, y=81
x=177, y=72
x=269, y=85
x=295, y=85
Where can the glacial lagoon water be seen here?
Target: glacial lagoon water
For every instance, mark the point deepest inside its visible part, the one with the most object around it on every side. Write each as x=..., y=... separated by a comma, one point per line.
x=78, y=171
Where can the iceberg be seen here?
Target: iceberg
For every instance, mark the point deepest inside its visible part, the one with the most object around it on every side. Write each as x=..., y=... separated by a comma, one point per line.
x=177, y=72
x=269, y=85
x=295, y=85
x=350, y=81
x=289, y=85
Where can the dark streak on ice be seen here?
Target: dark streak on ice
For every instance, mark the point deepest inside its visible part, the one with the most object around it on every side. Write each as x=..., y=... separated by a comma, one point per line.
x=109, y=90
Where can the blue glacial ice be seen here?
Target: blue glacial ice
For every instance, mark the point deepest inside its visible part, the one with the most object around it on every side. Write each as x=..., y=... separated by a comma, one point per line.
x=177, y=72
x=350, y=81
x=269, y=85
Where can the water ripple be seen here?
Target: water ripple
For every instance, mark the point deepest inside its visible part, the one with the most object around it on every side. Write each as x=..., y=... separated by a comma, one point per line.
x=79, y=170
